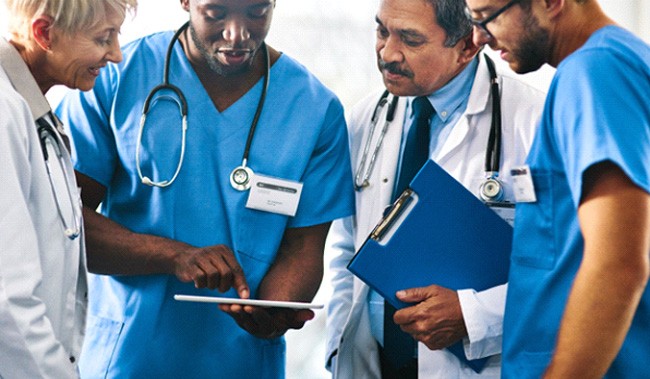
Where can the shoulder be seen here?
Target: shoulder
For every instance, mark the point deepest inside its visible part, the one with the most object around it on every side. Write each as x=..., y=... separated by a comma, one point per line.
x=517, y=93
x=155, y=43
x=296, y=79
x=145, y=53
x=13, y=107
x=15, y=120
x=610, y=53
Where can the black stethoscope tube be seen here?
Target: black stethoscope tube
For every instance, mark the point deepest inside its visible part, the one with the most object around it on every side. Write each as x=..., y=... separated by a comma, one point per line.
x=493, y=151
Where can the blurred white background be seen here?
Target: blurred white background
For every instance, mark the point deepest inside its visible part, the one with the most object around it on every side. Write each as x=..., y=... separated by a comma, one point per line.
x=335, y=40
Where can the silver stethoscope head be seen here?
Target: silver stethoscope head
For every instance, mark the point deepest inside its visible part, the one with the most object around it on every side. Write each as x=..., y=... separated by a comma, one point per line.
x=240, y=177
x=491, y=190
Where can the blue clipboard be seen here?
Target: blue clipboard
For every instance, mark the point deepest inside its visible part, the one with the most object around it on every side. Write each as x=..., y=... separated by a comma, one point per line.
x=436, y=232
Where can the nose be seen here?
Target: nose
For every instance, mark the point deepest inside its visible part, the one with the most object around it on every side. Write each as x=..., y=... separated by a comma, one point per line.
x=388, y=50
x=235, y=31
x=114, y=53
x=480, y=36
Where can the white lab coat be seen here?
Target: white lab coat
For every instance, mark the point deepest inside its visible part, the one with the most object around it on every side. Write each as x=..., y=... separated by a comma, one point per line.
x=42, y=272
x=462, y=155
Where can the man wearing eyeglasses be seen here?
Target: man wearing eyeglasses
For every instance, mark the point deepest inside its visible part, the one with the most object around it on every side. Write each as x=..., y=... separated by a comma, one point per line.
x=577, y=304
x=426, y=56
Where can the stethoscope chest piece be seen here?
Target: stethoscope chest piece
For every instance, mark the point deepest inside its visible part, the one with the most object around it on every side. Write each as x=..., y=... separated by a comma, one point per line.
x=491, y=190
x=240, y=178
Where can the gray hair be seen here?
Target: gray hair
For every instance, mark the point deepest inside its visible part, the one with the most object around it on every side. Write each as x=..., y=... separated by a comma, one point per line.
x=69, y=16
x=450, y=15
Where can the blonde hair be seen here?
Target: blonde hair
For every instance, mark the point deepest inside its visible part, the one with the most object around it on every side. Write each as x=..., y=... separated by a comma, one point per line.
x=69, y=16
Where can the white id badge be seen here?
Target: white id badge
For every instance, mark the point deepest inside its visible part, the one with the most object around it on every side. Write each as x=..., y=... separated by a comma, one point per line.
x=274, y=195
x=523, y=184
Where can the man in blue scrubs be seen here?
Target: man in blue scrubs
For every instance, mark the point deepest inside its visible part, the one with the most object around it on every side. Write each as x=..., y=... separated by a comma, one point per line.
x=197, y=232
x=577, y=305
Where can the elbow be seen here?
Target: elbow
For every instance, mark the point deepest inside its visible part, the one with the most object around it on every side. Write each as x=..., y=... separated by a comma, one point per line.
x=637, y=273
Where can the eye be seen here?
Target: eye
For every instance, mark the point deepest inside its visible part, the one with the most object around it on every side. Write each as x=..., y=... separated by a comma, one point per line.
x=215, y=15
x=105, y=39
x=412, y=40
x=382, y=32
x=259, y=11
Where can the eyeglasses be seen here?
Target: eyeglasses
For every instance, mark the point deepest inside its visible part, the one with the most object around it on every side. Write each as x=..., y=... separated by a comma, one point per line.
x=482, y=24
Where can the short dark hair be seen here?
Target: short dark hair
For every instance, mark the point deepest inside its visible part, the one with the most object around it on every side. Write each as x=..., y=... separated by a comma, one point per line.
x=450, y=15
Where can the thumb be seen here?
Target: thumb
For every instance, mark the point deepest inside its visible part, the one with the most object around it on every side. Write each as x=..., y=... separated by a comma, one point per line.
x=412, y=295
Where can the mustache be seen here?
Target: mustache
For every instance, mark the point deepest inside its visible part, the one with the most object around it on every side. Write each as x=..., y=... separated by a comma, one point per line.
x=394, y=68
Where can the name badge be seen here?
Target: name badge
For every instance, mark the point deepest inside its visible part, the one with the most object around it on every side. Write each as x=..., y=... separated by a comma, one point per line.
x=274, y=195
x=523, y=184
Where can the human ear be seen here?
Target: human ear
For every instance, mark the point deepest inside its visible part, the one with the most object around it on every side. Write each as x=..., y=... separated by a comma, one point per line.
x=553, y=7
x=41, y=30
x=468, y=49
x=185, y=4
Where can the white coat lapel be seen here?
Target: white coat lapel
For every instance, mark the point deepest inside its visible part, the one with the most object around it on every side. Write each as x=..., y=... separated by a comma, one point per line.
x=477, y=103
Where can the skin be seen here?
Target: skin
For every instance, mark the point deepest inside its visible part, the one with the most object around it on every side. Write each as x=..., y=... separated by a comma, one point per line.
x=228, y=64
x=615, y=266
x=413, y=61
x=223, y=44
x=411, y=55
x=73, y=60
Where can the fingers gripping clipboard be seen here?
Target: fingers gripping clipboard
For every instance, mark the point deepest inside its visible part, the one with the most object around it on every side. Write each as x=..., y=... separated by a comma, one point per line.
x=436, y=232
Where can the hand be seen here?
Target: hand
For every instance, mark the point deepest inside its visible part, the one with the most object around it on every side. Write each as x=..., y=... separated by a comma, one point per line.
x=263, y=322
x=436, y=320
x=211, y=267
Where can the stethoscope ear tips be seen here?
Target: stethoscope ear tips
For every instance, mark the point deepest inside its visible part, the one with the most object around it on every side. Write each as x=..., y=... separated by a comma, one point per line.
x=149, y=182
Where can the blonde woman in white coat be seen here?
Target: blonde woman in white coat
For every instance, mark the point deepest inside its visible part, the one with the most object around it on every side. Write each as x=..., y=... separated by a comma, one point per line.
x=43, y=290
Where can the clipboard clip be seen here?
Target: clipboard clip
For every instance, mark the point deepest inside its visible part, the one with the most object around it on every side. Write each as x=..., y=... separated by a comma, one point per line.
x=392, y=215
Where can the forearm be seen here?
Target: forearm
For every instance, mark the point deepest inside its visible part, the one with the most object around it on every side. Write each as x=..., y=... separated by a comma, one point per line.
x=598, y=315
x=113, y=249
x=297, y=271
x=292, y=279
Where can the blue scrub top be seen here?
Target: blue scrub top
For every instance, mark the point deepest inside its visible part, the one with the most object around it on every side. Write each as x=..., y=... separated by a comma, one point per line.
x=135, y=328
x=597, y=110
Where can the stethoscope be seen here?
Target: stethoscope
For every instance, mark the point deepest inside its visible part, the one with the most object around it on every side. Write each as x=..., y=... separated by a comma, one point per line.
x=490, y=190
x=240, y=177
x=51, y=143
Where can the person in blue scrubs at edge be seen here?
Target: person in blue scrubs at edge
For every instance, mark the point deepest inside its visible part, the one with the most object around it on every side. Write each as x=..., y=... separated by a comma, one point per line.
x=159, y=234
x=577, y=304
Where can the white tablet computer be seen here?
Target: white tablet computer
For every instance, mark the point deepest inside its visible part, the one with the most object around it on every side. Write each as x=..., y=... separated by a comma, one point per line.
x=253, y=302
